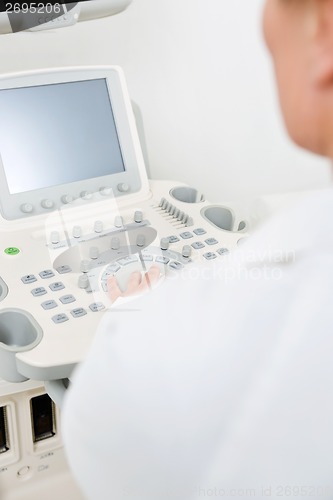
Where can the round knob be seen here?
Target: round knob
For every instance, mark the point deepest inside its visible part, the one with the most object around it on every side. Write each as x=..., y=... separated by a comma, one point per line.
x=165, y=243
x=138, y=216
x=83, y=281
x=85, y=266
x=67, y=198
x=115, y=243
x=118, y=221
x=27, y=208
x=123, y=187
x=98, y=226
x=141, y=240
x=55, y=238
x=94, y=252
x=77, y=231
x=187, y=250
x=47, y=204
x=105, y=191
x=86, y=195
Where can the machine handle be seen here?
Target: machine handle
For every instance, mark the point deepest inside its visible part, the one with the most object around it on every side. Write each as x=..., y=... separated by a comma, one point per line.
x=56, y=389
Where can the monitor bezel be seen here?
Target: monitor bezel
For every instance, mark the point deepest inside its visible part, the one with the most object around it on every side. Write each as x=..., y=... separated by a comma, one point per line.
x=134, y=175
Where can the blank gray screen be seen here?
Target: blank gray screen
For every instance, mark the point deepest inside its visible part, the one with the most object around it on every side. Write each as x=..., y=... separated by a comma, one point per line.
x=57, y=134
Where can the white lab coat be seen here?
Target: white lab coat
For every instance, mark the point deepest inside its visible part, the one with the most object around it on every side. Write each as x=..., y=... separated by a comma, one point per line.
x=220, y=386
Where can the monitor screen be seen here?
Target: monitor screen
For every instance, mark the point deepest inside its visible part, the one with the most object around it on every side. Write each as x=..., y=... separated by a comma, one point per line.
x=57, y=134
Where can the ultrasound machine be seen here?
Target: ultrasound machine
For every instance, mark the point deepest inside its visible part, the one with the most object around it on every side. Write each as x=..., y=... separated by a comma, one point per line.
x=76, y=206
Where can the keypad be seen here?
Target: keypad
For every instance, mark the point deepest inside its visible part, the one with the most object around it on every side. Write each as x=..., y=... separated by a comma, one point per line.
x=78, y=312
x=60, y=318
x=200, y=231
x=187, y=235
x=222, y=251
x=55, y=287
x=210, y=255
x=49, y=304
x=211, y=241
x=64, y=269
x=38, y=292
x=173, y=239
x=46, y=274
x=29, y=278
x=67, y=299
x=97, y=306
x=198, y=245
x=176, y=265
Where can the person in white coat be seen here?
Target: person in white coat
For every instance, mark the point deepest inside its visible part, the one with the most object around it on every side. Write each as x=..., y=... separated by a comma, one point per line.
x=222, y=386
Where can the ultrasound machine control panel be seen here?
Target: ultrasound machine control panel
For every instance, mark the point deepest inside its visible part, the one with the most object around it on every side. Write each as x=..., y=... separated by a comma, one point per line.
x=76, y=207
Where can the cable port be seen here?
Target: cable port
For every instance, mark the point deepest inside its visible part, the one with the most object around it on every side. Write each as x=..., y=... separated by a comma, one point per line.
x=4, y=439
x=43, y=418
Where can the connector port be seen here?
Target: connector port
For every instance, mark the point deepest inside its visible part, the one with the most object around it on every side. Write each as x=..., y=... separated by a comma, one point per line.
x=4, y=438
x=42, y=418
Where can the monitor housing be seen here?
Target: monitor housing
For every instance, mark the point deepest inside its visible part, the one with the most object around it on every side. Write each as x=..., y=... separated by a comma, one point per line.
x=66, y=134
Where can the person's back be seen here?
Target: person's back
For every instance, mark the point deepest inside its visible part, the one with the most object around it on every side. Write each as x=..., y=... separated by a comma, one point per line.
x=228, y=392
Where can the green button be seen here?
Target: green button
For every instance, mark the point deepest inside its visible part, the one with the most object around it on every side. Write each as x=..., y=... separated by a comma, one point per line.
x=12, y=251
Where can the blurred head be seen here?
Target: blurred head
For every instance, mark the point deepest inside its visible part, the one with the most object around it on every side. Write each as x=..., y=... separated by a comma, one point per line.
x=299, y=35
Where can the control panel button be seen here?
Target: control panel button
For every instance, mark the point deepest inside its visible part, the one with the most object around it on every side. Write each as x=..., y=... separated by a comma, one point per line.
x=111, y=270
x=29, y=278
x=85, y=266
x=86, y=195
x=200, y=231
x=12, y=251
x=39, y=291
x=67, y=299
x=123, y=187
x=165, y=243
x=77, y=231
x=176, y=265
x=94, y=253
x=141, y=240
x=127, y=260
x=115, y=243
x=210, y=255
x=186, y=252
x=48, y=273
x=118, y=221
x=83, y=281
x=189, y=222
x=147, y=257
x=64, y=269
x=186, y=236
x=211, y=241
x=163, y=260
x=49, y=304
x=98, y=226
x=138, y=216
x=78, y=312
x=198, y=245
x=67, y=198
x=97, y=306
x=222, y=251
x=27, y=208
x=105, y=191
x=47, y=204
x=173, y=239
x=60, y=318
x=55, y=237
x=55, y=287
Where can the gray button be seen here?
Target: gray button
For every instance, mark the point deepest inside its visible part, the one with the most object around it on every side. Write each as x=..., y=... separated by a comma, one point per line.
x=173, y=239
x=127, y=260
x=198, y=245
x=147, y=258
x=210, y=255
x=200, y=231
x=187, y=235
x=97, y=306
x=46, y=274
x=29, y=278
x=163, y=260
x=64, y=269
x=55, y=287
x=49, y=304
x=111, y=270
x=222, y=251
x=176, y=265
x=37, y=292
x=60, y=318
x=211, y=241
x=78, y=312
x=67, y=299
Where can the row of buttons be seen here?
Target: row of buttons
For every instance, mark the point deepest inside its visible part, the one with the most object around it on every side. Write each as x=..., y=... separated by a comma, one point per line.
x=78, y=312
x=31, y=278
x=55, y=287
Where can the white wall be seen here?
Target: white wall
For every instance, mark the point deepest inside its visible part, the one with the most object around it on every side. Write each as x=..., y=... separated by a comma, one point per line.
x=201, y=76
